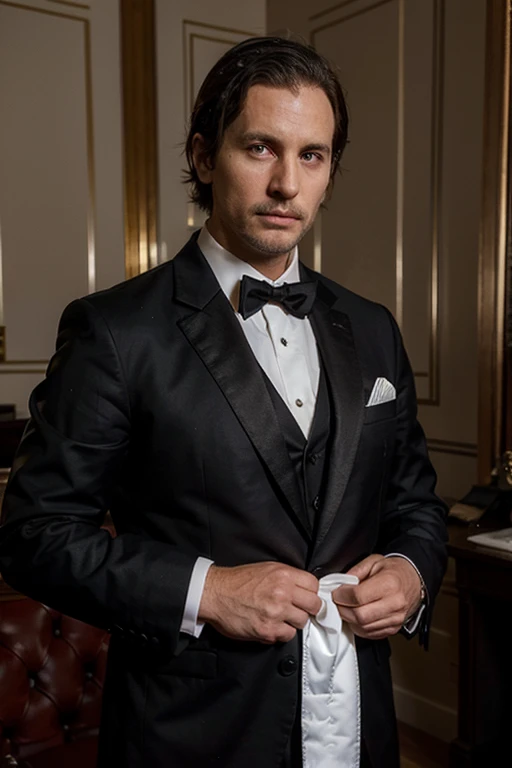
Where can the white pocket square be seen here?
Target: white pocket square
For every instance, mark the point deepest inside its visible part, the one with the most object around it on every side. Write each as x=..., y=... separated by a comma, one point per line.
x=383, y=391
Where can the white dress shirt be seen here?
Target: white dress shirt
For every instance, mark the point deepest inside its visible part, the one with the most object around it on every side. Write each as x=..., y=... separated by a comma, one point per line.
x=285, y=347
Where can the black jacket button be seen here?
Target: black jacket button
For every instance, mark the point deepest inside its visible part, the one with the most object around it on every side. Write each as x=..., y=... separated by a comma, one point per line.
x=316, y=503
x=288, y=666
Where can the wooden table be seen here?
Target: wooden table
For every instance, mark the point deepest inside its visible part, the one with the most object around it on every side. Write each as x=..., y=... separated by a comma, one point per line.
x=484, y=583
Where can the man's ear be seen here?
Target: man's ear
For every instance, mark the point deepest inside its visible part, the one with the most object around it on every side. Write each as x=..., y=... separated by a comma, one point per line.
x=201, y=163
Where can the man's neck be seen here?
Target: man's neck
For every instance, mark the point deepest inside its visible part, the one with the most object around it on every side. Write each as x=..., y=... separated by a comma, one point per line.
x=268, y=265
x=270, y=268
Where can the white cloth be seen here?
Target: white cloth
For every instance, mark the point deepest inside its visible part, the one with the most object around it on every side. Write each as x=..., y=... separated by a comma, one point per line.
x=331, y=710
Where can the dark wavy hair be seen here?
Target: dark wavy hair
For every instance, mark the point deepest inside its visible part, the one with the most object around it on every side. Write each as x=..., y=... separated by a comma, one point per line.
x=271, y=61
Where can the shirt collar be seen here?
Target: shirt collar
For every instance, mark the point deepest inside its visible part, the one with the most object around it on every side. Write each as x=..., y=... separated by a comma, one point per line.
x=229, y=270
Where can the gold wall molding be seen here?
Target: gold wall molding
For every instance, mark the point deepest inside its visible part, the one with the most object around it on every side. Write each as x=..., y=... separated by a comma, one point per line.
x=328, y=25
x=70, y=4
x=433, y=398
x=19, y=366
x=331, y=9
x=204, y=25
x=452, y=446
x=191, y=61
x=45, y=11
x=400, y=169
x=17, y=369
x=140, y=135
x=91, y=216
x=433, y=373
x=197, y=30
x=492, y=258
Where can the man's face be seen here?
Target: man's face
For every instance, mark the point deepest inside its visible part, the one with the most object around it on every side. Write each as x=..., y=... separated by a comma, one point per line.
x=271, y=172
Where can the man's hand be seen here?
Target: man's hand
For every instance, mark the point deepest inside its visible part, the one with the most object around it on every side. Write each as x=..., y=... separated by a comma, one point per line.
x=388, y=593
x=266, y=602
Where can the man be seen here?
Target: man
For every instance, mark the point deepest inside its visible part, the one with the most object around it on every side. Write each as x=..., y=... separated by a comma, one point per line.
x=249, y=440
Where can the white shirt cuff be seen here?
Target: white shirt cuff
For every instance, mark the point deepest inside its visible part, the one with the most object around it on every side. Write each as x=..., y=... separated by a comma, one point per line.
x=189, y=623
x=411, y=625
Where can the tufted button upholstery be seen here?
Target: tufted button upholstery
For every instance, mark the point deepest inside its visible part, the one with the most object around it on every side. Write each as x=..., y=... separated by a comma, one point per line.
x=51, y=678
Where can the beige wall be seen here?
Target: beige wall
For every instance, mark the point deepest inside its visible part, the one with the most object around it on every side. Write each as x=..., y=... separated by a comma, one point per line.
x=61, y=202
x=402, y=228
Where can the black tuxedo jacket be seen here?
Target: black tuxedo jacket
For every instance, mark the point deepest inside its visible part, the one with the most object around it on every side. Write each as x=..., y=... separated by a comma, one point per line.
x=155, y=408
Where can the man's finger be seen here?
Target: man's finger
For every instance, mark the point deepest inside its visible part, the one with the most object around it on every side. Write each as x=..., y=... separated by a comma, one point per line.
x=305, y=580
x=307, y=601
x=391, y=623
x=381, y=634
x=347, y=595
x=297, y=618
x=380, y=585
x=363, y=569
x=379, y=610
x=285, y=633
x=361, y=594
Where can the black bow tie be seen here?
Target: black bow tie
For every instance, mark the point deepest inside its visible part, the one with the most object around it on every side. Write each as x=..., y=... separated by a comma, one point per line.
x=296, y=298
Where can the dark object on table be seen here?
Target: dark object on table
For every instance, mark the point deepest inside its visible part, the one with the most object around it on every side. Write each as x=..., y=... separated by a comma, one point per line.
x=488, y=500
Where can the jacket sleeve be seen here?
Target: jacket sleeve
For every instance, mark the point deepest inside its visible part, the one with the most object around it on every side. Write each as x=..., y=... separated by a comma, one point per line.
x=52, y=546
x=413, y=521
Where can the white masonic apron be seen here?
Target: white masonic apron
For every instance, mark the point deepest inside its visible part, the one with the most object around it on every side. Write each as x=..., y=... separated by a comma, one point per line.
x=331, y=712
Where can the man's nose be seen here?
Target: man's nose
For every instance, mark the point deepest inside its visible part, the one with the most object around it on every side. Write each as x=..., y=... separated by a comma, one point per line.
x=284, y=182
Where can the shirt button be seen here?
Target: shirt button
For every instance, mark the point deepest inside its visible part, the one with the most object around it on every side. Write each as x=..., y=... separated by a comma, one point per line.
x=299, y=403
x=284, y=342
x=288, y=666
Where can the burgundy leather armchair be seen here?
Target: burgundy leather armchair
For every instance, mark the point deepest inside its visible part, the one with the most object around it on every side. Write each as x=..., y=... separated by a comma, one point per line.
x=52, y=669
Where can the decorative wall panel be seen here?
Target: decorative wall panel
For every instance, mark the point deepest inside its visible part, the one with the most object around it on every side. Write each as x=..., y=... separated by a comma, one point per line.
x=46, y=201
x=54, y=245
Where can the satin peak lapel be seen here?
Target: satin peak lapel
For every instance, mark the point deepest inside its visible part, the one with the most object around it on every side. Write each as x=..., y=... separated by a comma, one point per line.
x=335, y=342
x=218, y=339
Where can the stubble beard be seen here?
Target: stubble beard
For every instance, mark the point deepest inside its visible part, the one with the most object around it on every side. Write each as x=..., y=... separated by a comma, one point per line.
x=265, y=246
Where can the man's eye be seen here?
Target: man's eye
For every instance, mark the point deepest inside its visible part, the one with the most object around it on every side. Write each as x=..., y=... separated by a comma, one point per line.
x=258, y=149
x=311, y=156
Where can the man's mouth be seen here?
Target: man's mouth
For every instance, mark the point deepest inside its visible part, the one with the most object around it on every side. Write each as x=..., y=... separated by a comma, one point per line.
x=280, y=217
